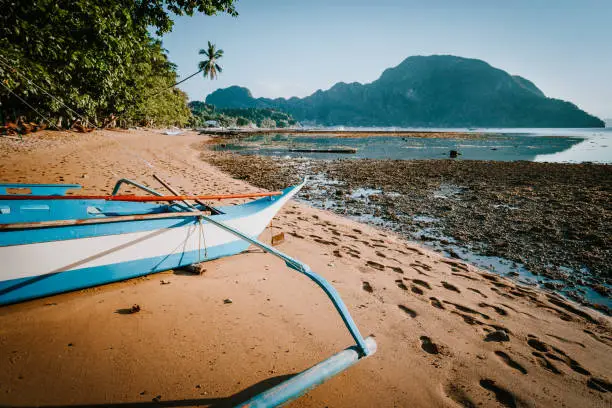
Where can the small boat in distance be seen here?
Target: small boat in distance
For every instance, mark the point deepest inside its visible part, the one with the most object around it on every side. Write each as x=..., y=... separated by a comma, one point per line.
x=51, y=243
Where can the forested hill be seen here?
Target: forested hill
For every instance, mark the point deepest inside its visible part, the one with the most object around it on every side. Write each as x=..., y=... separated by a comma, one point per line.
x=96, y=58
x=230, y=117
x=434, y=91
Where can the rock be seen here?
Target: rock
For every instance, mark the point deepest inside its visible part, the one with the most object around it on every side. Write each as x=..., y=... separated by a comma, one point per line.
x=498, y=336
x=453, y=154
x=228, y=301
x=135, y=308
x=195, y=269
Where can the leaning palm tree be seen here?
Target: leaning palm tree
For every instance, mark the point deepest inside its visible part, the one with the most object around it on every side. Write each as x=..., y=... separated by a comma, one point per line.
x=210, y=67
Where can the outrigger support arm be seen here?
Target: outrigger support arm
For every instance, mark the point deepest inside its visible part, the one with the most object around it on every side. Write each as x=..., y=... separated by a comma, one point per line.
x=310, y=378
x=329, y=290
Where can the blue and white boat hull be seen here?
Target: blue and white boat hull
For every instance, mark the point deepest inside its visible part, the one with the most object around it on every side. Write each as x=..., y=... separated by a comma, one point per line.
x=38, y=262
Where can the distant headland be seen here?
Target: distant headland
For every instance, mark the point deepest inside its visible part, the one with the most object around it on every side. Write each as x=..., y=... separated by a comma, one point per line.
x=425, y=91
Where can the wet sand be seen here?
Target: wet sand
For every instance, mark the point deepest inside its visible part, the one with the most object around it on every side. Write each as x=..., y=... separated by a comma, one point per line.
x=448, y=334
x=544, y=221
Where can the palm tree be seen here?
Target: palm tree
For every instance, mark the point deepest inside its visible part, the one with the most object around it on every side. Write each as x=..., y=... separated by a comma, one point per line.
x=210, y=66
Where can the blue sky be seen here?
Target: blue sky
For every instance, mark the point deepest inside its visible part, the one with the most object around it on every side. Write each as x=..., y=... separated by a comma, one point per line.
x=292, y=48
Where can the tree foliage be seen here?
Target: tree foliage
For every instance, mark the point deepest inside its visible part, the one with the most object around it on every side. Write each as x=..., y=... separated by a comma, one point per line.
x=95, y=56
x=210, y=66
x=266, y=118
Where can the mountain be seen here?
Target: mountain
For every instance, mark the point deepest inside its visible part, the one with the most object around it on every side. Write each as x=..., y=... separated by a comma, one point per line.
x=425, y=91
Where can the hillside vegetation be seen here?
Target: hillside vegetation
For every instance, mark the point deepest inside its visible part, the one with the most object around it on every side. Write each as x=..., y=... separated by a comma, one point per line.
x=431, y=91
x=230, y=117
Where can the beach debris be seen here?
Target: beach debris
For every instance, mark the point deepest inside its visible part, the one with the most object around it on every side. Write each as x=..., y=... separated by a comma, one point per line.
x=164, y=282
x=498, y=336
x=453, y=154
x=157, y=398
x=278, y=238
x=135, y=308
x=195, y=269
x=228, y=301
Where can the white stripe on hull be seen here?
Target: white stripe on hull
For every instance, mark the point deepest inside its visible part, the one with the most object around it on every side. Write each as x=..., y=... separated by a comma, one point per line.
x=29, y=260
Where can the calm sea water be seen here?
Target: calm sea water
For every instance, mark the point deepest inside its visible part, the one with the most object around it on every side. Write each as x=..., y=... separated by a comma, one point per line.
x=552, y=145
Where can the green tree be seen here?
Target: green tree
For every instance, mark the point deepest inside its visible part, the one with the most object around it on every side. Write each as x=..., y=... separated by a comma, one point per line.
x=95, y=56
x=208, y=66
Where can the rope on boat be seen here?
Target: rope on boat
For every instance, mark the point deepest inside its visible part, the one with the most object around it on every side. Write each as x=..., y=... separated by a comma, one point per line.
x=201, y=239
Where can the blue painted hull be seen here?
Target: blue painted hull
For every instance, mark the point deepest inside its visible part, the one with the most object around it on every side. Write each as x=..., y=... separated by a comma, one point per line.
x=19, y=290
x=38, y=262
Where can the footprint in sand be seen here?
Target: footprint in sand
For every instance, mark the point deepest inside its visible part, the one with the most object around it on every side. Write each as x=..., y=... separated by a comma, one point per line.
x=561, y=355
x=396, y=269
x=421, y=283
x=436, y=303
x=595, y=337
x=450, y=287
x=416, y=289
x=497, y=309
x=337, y=253
x=599, y=385
x=544, y=363
x=564, y=340
x=502, y=395
x=408, y=311
x=401, y=285
x=466, y=309
x=375, y=265
x=502, y=293
x=479, y=292
x=325, y=242
x=510, y=362
x=497, y=336
x=564, y=305
x=537, y=344
x=367, y=287
x=428, y=346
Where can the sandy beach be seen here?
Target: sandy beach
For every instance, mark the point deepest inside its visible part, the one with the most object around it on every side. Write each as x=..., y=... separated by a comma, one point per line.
x=448, y=334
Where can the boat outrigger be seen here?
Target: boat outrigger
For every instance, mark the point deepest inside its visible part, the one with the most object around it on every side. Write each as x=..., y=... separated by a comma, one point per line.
x=51, y=243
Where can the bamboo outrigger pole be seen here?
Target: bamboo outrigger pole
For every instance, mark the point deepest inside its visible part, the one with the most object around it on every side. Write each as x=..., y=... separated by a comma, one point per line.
x=135, y=198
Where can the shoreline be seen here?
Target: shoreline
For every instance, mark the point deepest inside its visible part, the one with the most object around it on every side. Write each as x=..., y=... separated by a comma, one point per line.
x=241, y=133
x=449, y=334
x=492, y=214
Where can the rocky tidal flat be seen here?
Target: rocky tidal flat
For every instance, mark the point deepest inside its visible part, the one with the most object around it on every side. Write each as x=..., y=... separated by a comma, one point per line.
x=549, y=221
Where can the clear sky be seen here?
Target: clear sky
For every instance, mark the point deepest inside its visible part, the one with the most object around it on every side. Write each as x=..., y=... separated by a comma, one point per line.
x=293, y=47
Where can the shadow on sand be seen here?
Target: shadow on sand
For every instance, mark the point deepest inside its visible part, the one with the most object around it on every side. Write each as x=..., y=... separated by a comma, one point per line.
x=231, y=401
